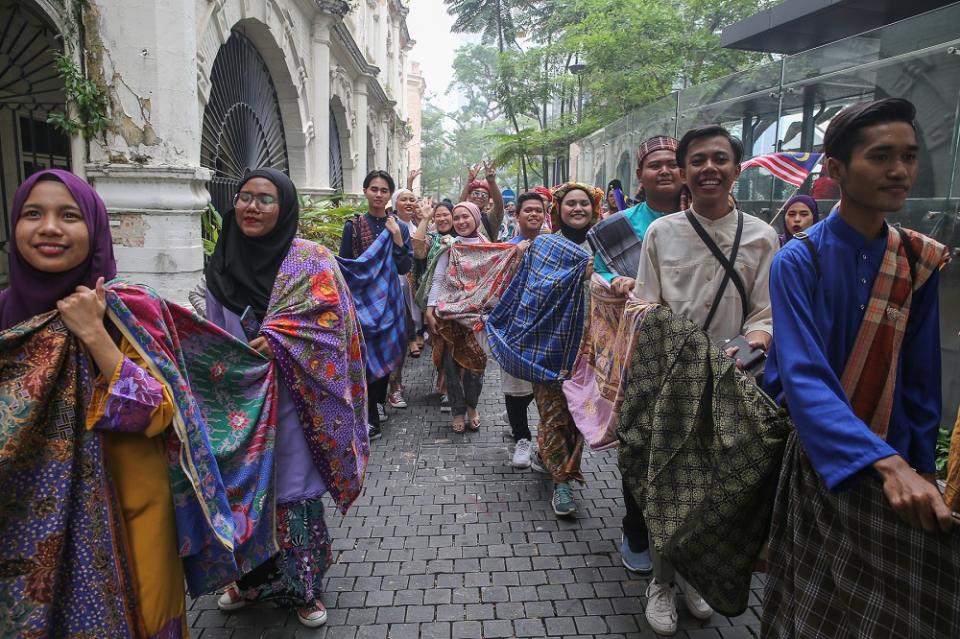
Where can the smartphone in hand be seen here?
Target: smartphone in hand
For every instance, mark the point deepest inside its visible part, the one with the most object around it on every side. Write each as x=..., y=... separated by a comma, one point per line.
x=747, y=354
x=249, y=323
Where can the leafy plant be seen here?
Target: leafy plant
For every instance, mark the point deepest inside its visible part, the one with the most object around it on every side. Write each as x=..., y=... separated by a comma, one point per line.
x=322, y=219
x=943, y=450
x=211, y=222
x=84, y=98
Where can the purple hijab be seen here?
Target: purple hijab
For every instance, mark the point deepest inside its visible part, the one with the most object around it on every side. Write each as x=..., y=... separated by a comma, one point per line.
x=33, y=292
x=802, y=199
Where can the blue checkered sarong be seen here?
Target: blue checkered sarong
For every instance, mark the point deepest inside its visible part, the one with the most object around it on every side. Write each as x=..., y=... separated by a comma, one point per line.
x=375, y=287
x=535, y=330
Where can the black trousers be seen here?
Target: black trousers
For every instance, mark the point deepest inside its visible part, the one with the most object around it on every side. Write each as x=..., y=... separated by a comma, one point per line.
x=376, y=394
x=634, y=525
x=517, y=415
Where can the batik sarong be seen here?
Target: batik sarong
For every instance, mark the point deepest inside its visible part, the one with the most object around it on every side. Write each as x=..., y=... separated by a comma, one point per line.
x=594, y=390
x=700, y=449
x=534, y=332
x=314, y=331
x=617, y=243
x=844, y=565
x=375, y=288
x=222, y=446
x=63, y=569
x=559, y=443
x=438, y=244
x=477, y=275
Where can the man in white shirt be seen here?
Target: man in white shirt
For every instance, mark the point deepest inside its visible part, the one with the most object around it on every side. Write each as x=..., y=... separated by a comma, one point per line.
x=679, y=269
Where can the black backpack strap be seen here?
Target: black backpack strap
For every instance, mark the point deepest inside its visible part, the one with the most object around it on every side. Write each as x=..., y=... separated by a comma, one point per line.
x=803, y=237
x=908, y=249
x=728, y=264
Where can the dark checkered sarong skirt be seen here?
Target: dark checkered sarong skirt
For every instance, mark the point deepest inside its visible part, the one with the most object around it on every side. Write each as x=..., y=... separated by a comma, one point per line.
x=844, y=565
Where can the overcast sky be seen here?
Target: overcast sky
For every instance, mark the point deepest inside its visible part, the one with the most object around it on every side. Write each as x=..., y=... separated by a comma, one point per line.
x=429, y=24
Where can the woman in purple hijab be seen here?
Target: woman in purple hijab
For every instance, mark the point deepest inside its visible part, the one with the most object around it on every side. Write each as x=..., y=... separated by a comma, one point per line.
x=33, y=291
x=799, y=213
x=61, y=254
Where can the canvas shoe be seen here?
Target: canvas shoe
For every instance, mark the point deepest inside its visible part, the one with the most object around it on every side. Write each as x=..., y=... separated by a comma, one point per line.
x=521, y=454
x=696, y=604
x=312, y=617
x=635, y=561
x=661, y=609
x=382, y=413
x=375, y=433
x=396, y=399
x=231, y=599
x=562, y=502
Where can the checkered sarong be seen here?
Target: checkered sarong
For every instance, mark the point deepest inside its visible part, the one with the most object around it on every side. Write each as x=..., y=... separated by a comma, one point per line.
x=844, y=564
x=534, y=331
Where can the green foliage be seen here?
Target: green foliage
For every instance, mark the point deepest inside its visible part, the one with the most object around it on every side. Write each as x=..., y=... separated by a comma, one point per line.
x=522, y=97
x=322, y=219
x=943, y=450
x=211, y=223
x=86, y=103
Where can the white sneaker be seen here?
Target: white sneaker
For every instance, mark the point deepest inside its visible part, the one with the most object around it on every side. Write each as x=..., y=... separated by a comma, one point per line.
x=696, y=604
x=382, y=413
x=231, y=599
x=661, y=610
x=521, y=454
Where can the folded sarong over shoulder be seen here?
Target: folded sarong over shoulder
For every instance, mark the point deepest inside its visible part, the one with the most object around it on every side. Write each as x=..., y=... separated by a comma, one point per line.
x=63, y=570
x=375, y=287
x=476, y=277
x=315, y=334
x=700, y=450
x=534, y=331
x=594, y=390
x=843, y=564
x=224, y=425
x=617, y=243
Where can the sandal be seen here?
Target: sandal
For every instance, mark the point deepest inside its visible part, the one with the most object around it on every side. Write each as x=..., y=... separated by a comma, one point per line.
x=458, y=426
x=414, y=350
x=475, y=423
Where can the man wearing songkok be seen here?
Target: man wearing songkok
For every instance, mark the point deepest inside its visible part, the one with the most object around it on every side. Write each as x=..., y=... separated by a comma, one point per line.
x=709, y=263
x=861, y=542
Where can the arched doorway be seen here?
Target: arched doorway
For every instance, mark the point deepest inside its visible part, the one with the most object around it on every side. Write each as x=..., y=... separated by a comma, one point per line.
x=336, y=156
x=242, y=123
x=30, y=89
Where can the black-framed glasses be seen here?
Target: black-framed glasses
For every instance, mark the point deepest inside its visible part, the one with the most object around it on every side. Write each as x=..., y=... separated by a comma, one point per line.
x=263, y=199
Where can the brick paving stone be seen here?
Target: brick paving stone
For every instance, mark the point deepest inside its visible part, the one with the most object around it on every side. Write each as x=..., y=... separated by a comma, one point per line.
x=448, y=541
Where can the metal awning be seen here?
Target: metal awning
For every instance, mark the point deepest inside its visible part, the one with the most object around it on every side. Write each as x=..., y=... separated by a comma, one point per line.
x=798, y=25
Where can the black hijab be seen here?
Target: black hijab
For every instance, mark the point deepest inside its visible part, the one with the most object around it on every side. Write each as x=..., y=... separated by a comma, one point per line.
x=242, y=269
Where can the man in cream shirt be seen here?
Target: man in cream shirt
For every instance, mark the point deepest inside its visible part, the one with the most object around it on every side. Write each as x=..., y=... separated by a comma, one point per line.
x=679, y=269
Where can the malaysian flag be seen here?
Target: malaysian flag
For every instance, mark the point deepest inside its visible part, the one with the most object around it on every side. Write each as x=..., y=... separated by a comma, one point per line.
x=789, y=167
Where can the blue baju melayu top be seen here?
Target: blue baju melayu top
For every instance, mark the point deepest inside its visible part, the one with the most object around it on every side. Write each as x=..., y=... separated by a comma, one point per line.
x=815, y=326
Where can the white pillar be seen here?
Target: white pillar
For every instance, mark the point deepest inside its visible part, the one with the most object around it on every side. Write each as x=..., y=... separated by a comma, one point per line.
x=320, y=179
x=360, y=104
x=148, y=172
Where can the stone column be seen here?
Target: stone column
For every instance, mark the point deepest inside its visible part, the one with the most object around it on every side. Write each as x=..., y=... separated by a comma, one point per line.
x=320, y=178
x=148, y=170
x=360, y=130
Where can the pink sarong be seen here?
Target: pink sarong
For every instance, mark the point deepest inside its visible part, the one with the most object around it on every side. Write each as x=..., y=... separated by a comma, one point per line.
x=594, y=390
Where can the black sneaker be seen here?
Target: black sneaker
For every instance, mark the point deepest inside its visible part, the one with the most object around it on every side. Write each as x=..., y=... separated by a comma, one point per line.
x=375, y=433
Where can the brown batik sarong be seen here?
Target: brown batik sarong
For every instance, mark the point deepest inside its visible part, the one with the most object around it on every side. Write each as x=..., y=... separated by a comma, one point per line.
x=559, y=442
x=845, y=565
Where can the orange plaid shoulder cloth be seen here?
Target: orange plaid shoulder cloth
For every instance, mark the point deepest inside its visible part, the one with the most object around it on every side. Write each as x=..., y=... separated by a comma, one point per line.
x=870, y=374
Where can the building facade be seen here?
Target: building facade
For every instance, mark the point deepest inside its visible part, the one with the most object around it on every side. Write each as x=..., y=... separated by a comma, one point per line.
x=199, y=92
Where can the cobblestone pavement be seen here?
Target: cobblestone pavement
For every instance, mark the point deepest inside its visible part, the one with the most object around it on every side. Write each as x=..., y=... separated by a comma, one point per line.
x=448, y=541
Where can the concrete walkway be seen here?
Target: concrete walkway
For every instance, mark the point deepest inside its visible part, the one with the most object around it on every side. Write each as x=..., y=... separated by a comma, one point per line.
x=449, y=542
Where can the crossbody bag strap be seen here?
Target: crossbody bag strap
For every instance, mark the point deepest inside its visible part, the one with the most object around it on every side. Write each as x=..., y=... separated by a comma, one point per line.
x=728, y=264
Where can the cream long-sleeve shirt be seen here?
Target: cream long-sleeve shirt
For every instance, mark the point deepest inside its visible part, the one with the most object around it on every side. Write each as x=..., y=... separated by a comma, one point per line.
x=679, y=271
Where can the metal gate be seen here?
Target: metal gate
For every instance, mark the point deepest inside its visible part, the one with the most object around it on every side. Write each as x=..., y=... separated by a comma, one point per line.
x=336, y=157
x=30, y=88
x=242, y=125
